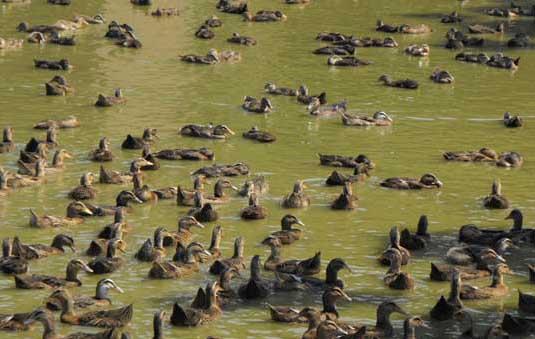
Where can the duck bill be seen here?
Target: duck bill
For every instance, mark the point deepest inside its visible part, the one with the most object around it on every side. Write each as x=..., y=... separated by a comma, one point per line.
x=73, y=249
x=86, y=212
x=136, y=199
x=348, y=268
x=299, y=222
x=198, y=224
x=439, y=183
x=118, y=289
x=68, y=155
x=234, y=188
x=510, y=216
x=87, y=268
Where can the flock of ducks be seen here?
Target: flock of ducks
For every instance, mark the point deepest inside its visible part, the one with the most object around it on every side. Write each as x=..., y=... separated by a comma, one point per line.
x=482, y=252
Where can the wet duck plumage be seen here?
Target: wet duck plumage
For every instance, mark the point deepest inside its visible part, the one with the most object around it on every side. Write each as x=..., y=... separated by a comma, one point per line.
x=100, y=299
x=36, y=281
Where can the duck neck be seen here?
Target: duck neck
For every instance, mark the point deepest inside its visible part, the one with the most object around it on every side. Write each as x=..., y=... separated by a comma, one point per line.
x=238, y=250
x=329, y=305
x=383, y=322
x=158, y=239
x=422, y=226
x=198, y=184
x=212, y=298
x=102, y=293
x=455, y=292
x=158, y=327
x=216, y=240
x=49, y=326
x=57, y=161
x=409, y=331
x=497, y=279
x=518, y=221
x=331, y=276
x=110, y=252
x=218, y=190
x=6, y=248
x=67, y=306
x=190, y=255
x=8, y=136
x=275, y=253
x=72, y=273
x=314, y=321
x=137, y=181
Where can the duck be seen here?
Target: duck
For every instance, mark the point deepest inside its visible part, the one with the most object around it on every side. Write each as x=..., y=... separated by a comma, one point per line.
x=227, y=6
x=520, y=40
x=37, y=175
x=129, y=40
x=417, y=50
x=152, y=251
x=254, y=211
x=496, y=289
x=58, y=160
x=185, y=154
x=204, y=32
x=58, y=86
x=36, y=281
x=257, y=184
x=305, y=267
x=97, y=19
x=103, y=152
x=61, y=65
x=264, y=16
x=33, y=152
x=215, y=243
x=122, y=201
x=427, y=181
x=237, y=260
x=38, y=251
x=273, y=89
x=318, y=110
x=406, y=83
x=159, y=12
x=482, y=155
x=303, y=96
x=345, y=161
x=108, y=101
x=394, y=277
x=403, y=28
x=184, y=233
x=482, y=29
x=261, y=136
x=99, y=247
x=132, y=142
x=331, y=276
x=347, y=61
x=442, y=77
x=526, y=302
x=395, y=243
x=85, y=191
x=254, y=105
x=206, y=131
x=9, y=263
x=410, y=324
x=189, y=317
x=56, y=38
x=510, y=159
x=495, y=200
x=119, y=224
x=483, y=256
x=256, y=287
x=337, y=178
x=380, y=26
x=297, y=198
x=418, y=240
x=14, y=322
x=69, y=122
x=119, y=317
x=471, y=234
x=343, y=50
x=143, y=192
x=288, y=235
x=76, y=211
x=187, y=197
x=518, y=325
x=211, y=58
x=502, y=61
x=379, y=118
x=184, y=262
x=109, y=263
x=100, y=299
x=11, y=43
x=118, y=178
x=383, y=325
x=452, y=18
x=7, y=145
x=328, y=328
x=203, y=212
x=446, y=309
x=346, y=200
x=219, y=196
x=213, y=22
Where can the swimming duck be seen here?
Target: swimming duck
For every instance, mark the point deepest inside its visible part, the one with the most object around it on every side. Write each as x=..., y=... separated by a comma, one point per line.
x=206, y=131
x=184, y=262
x=115, y=177
x=452, y=18
x=339, y=179
x=345, y=161
x=26, y=27
x=383, y=325
x=271, y=88
x=69, y=122
x=303, y=96
x=382, y=27
x=141, y=2
x=313, y=317
x=347, y=61
x=58, y=86
x=213, y=22
x=346, y=200
x=228, y=6
x=37, y=176
x=275, y=257
x=10, y=264
x=7, y=145
x=378, y=119
x=483, y=256
x=427, y=181
x=482, y=155
x=403, y=28
x=481, y=29
x=518, y=325
x=203, y=212
x=303, y=267
x=11, y=43
x=418, y=51
x=62, y=64
x=520, y=40
x=185, y=154
x=418, y=240
x=119, y=317
x=471, y=234
x=33, y=152
x=344, y=50
x=237, y=260
x=119, y=224
x=109, y=263
x=254, y=105
x=204, y=32
x=165, y=12
x=406, y=83
x=219, y=196
x=499, y=60
x=151, y=251
x=129, y=40
x=103, y=152
x=254, y=211
x=187, y=197
x=394, y=277
x=56, y=38
x=258, y=185
x=442, y=77
x=85, y=191
x=395, y=243
x=215, y=243
x=331, y=276
x=496, y=289
x=76, y=211
x=288, y=235
x=143, y=192
x=211, y=58
x=108, y=101
x=183, y=233
x=36, y=281
x=92, y=20
x=261, y=136
x=38, y=251
x=264, y=16
x=58, y=160
x=297, y=198
x=510, y=159
x=100, y=299
x=256, y=287
x=445, y=309
x=496, y=200
x=187, y=317
x=132, y=142
x=99, y=247
x=318, y=110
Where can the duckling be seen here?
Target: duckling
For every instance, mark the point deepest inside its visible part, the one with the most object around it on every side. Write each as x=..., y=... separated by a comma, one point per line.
x=109, y=263
x=38, y=251
x=119, y=317
x=346, y=200
x=183, y=233
x=427, y=181
x=406, y=83
x=254, y=105
x=265, y=16
x=418, y=51
x=288, y=235
x=442, y=77
x=261, y=136
x=138, y=143
x=237, y=260
x=526, y=302
x=165, y=12
x=206, y=131
x=378, y=119
x=482, y=155
x=445, y=309
x=10, y=264
x=343, y=50
x=203, y=212
x=298, y=198
x=482, y=29
x=187, y=317
x=418, y=240
x=204, y=32
x=483, y=256
x=150, y=251
x=61, y=65
x=395, y=243
x=7, y=145
x=303, y=96
x=36, y=281
x=345, y=161
x=318, y=110
x=256, y=287
x=331, y=275
x=452, y=18
x=184, y=262
x=76, y=211
x=496, y=289
x=185, y=154
x=108, y=101
x=58, y=86
x=85, y=191
x=303, y=267
x=213, y=22
x=219, y=196
x=339, y=179
x=103, y=152
x=394, y=277
x=100, y=299
x=258, y=185
x=347, y=61
x=254, y=211
x=496, y=200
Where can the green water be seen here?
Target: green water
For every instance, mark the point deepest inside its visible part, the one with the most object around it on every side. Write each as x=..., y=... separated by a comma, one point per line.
x=164, y=93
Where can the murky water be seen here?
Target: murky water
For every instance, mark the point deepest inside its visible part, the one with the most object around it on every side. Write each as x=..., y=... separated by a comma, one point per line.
x=164, y=93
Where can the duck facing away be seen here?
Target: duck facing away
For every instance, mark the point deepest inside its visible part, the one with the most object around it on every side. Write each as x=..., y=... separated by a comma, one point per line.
x=297, y=198
x=496, y=200
x=346, y=200
x=254, y=211
x=108, y=101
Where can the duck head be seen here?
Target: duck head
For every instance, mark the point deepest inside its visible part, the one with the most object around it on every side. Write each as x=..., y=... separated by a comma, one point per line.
x=124, y=197
x=288, y=220
x=333, y=59
x=430, y=179
x=213, y=54
x=266, y=105
x=8, y=134
x=137, y=164
x=150, y=134
x=330, y=329
x=187, y=222
x=78, y=209
x=87, y=179
x=268, y=87
x=62, y=240
x=74, y=266
x=223, y=130
x=59, y=157
x=410, y=324
x=385, y=78
x=382, y=116
x=104, y=286
x=118, y=93
x=517, y=217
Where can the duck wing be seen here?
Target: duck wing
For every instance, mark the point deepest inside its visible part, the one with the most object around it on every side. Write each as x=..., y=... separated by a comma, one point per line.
x=109, y=318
